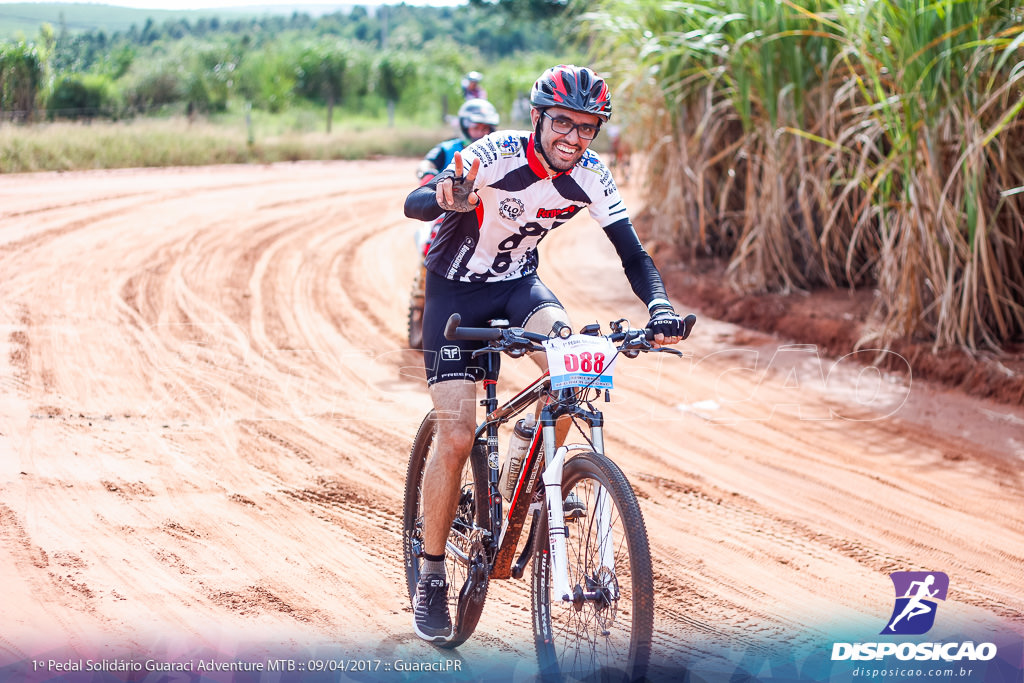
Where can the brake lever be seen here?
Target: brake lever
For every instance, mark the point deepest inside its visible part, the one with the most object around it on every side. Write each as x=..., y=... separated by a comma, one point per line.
x=633, y=347
x=525, y=344
x=522, y=347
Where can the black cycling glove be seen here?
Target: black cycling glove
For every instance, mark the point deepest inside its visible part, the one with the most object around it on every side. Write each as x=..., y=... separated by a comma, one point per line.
x=461, y=189
x=664, y=320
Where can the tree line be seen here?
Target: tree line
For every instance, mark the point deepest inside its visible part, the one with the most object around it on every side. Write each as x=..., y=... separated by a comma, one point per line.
x=365, y=60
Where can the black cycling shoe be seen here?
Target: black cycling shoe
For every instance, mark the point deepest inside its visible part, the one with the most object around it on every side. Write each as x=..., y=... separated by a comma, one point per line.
x=430, y=609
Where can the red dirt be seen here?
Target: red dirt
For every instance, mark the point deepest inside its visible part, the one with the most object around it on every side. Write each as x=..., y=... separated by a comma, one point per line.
x=833, y=320
x=206, y=407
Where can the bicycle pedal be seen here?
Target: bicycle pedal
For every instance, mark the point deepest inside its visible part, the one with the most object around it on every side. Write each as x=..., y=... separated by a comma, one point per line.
x=573, y=508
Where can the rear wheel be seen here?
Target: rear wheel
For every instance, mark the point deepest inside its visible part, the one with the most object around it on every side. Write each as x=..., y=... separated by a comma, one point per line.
x=465, y=558
x=604, y=633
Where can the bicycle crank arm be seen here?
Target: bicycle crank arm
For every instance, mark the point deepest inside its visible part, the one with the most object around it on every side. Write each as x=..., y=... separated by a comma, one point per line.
x=473, y=593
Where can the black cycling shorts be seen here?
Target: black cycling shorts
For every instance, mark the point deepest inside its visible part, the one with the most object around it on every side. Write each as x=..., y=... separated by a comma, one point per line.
x=478, y=303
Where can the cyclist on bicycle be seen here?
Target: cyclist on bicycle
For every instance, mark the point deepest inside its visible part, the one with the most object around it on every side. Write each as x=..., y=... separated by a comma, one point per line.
x=471, y=88
x=477, y=118
x=483, y=264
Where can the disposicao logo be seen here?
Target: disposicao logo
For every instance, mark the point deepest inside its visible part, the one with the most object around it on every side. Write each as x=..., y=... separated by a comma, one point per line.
x=917, y=596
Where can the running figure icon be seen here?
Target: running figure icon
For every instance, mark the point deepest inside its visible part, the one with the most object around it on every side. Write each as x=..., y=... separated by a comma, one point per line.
x=917, y=594
x=916, y=606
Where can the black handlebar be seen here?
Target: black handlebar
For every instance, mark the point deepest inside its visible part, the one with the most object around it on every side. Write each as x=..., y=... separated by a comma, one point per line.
x=453, y=332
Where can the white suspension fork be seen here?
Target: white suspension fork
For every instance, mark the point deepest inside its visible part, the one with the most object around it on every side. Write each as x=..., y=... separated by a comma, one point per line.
x=556, y=525
x=557, y=531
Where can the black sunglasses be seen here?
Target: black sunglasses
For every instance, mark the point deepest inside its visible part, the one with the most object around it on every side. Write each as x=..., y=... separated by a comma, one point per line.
x=586, y=131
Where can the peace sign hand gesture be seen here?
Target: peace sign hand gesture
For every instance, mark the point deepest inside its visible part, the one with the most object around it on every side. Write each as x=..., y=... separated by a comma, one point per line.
x=457, y=193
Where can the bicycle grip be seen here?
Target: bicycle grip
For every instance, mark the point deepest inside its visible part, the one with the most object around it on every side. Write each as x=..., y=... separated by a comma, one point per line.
x=688, y=323
x=452, y=325
x=453, y=332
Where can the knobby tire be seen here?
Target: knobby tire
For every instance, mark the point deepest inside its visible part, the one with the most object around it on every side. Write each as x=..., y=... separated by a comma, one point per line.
x=592, y=641
x=415, y=327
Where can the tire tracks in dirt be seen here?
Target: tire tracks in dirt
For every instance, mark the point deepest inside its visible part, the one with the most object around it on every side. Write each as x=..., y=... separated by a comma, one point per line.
x=210, y=407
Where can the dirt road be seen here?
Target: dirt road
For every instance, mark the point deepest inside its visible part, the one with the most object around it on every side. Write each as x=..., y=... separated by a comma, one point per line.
x=206, y=409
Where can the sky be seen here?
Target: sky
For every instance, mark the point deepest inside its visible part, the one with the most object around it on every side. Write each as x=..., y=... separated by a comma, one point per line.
x=207, y=4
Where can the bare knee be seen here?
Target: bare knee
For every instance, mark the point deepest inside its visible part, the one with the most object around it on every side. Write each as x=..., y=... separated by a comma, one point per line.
x=543, y=319
x=455, y=406
x=454, y=442
x=542, y=322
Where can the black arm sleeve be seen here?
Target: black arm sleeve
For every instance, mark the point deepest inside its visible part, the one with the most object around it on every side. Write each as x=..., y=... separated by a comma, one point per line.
x=421, y=203
x=640, y=270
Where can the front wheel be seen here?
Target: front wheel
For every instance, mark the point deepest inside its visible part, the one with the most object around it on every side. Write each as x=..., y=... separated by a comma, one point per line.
x=416, y=298
x=604, y=633
x=465, y=558
x=416, y=326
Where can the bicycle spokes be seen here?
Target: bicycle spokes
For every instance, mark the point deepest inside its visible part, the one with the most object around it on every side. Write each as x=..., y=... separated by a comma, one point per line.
x=605, y=627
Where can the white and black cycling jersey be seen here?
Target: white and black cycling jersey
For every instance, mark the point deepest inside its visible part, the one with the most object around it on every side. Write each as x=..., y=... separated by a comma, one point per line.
x=519, y=205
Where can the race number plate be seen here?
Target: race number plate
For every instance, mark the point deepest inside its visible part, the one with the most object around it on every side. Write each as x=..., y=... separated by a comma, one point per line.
x=580, y=361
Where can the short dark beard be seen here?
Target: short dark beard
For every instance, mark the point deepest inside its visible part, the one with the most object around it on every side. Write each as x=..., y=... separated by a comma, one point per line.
x=540, y=148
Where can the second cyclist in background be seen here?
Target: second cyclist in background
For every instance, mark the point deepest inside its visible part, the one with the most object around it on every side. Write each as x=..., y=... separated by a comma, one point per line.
x=471, y=88
x=477, y=118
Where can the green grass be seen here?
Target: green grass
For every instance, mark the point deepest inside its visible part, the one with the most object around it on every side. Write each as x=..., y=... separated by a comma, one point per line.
x=177, y=142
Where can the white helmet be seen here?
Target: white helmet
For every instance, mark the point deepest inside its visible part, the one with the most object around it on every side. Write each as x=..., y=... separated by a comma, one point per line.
x=477, y=111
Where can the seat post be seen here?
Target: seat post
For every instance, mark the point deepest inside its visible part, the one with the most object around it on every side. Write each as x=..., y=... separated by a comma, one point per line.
x=490, y=367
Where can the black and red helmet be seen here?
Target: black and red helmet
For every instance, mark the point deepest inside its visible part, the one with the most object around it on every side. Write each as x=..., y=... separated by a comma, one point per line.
x=573, y=87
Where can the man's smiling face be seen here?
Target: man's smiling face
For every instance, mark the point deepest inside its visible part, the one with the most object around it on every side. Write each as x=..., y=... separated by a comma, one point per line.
x=560, y=151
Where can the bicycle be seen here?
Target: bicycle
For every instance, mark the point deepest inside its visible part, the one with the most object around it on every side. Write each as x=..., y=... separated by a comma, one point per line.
x=592, y=590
